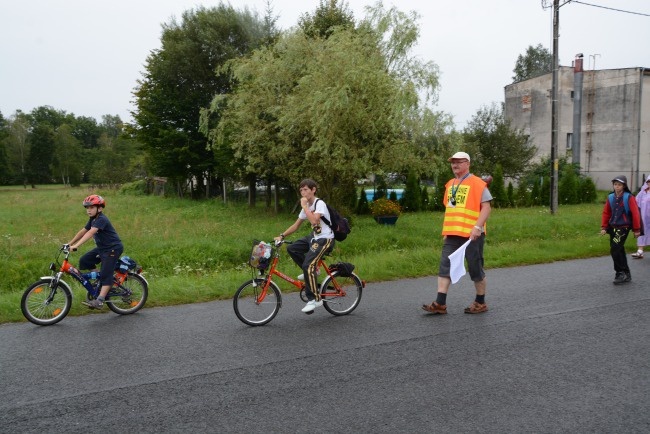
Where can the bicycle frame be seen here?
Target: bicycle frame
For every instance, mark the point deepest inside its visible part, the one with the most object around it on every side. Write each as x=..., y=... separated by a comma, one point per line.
x=273, y=271
x=67, y=268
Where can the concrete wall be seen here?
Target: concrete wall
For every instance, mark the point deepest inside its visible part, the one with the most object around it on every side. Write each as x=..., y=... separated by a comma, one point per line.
x=644, y=131
x=614, y=120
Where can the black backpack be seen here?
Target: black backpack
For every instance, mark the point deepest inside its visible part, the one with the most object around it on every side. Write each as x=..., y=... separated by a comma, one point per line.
x=339, y=224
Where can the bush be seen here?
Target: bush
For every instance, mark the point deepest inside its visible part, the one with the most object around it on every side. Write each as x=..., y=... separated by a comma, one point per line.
x=568, y=187
x=362, y=205
x=497, y=188
x=411, y=199
x=384, y=206
x=588, y=192
x=135, y=188
x=424, y=199
x=511, y=194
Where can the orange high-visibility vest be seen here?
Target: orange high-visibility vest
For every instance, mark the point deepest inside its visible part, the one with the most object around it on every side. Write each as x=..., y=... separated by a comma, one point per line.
x=461, y=218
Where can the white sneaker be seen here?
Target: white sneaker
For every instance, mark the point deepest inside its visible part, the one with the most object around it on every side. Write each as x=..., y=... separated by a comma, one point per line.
x=311, y=305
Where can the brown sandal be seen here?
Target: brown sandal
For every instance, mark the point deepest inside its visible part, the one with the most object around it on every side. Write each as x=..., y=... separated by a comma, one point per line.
x=435, y=308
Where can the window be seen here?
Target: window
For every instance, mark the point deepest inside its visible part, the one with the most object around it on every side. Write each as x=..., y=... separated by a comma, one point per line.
x=569, y=140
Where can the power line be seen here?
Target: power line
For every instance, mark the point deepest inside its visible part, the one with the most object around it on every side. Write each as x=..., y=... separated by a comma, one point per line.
x=611, y=9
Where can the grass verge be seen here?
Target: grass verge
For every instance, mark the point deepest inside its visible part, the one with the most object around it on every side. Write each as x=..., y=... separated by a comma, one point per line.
x=197, y=251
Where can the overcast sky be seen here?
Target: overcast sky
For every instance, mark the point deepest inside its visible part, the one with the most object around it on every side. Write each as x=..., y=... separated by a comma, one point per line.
x=84, y=56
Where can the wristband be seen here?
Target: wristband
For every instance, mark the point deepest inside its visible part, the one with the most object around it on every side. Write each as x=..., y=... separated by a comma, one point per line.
x=479, y=228
x=282, y=236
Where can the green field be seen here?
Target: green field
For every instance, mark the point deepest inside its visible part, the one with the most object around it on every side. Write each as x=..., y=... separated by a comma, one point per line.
x=197, y=251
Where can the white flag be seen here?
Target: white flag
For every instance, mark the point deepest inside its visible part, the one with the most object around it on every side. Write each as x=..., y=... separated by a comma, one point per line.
x=457, y=259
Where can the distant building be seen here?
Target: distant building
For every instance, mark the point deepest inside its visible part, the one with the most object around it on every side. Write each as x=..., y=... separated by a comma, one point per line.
x=611, y=114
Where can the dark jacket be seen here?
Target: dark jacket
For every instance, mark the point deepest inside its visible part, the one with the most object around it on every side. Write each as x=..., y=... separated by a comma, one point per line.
x=618, y=218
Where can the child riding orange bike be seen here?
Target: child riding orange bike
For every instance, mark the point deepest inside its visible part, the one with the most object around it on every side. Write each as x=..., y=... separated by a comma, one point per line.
x=108, y=250
x=308, y=251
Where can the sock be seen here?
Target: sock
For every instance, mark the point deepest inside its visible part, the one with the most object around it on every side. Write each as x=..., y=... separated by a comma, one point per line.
x=101, y=299
x=441, y=299
x=480, y=299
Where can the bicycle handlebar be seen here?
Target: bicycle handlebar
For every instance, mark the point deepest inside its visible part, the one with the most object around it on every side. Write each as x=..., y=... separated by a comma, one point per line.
x=66, y=249
x=278, y=243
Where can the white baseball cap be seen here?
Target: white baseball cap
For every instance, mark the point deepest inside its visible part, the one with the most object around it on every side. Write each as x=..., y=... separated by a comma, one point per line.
x=460, y=156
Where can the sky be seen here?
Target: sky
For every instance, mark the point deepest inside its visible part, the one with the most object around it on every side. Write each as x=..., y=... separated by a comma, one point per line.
x=85, y=56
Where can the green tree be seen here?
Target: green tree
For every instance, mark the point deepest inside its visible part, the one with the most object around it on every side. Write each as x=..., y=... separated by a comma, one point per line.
x=41, y=154
x=337, y=108
x=424, y=199
x=179, y=80
x=498, y=189
x=5, y=175
x=535, y=62
x=381, y=189
x=86, y=131
x=411, y=200
x=568, y=186
x=18, y=147
x=329, y=15
x=536, y=194
x=362, y=205
x=574, y=190
x=510, y=194
x=439, y=201
x=66, y=164
x=546, y=191
x=588, y=192
x=490, y=140
x=44, y=122
x=522, y=197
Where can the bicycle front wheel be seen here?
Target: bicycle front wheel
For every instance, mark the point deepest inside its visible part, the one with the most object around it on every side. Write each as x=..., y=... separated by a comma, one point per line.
x=44, y=304
x=341, y=295
x=254, y=308
x=130, y=296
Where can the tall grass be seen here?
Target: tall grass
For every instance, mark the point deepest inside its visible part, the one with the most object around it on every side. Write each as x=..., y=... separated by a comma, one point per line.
x=197, y=251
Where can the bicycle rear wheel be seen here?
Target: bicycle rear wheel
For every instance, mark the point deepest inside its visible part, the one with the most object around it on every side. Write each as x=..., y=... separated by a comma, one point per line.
x=130, y=296
x=344, y=301
x=45, y=305
x=252, y=310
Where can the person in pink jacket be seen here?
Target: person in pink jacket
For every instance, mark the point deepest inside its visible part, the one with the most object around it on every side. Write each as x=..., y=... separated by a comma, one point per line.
x=643, y=202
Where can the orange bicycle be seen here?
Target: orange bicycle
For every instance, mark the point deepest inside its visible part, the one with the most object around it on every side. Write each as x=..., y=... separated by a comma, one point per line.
x=258, y=300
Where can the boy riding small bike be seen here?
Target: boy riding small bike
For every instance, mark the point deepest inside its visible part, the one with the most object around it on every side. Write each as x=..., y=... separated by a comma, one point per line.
x=309, y=250
x=108, y=246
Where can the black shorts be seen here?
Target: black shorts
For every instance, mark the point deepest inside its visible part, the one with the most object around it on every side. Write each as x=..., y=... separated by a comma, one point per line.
x=473, y=256
x=108, y=260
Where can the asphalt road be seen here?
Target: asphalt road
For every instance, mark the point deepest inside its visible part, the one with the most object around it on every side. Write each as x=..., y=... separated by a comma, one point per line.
x=561, y=350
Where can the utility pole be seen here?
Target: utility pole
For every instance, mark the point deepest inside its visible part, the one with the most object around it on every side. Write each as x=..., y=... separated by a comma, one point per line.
x=554, y=108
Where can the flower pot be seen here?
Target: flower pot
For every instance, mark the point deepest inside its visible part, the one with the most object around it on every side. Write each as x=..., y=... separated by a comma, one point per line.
x=386, y=219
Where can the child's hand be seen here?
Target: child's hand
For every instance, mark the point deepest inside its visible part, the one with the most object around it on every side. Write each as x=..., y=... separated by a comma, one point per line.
x=603, y=232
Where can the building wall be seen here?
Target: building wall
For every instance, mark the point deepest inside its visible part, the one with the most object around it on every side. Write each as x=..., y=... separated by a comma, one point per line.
x=644, y=131
x=614, y=120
